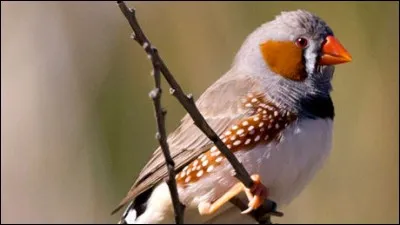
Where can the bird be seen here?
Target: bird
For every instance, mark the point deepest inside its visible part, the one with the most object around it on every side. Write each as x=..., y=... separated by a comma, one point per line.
x=272, y=109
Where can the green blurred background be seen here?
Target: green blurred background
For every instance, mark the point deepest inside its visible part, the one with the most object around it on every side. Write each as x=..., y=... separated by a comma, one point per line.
x=77, y=124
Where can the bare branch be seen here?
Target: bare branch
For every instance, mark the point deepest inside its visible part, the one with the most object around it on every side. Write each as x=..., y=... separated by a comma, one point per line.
x=161, y=136
x=155, y=95
x=187, y=101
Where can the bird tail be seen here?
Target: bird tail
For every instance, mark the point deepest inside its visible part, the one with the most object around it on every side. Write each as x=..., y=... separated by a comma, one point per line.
x=135, y=208
x=129, y=216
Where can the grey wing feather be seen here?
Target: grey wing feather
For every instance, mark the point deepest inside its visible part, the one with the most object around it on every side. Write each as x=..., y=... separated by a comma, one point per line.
x=220, y=105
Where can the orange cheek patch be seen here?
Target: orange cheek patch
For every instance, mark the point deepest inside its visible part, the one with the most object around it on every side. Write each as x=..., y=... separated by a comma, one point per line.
x=284, y=58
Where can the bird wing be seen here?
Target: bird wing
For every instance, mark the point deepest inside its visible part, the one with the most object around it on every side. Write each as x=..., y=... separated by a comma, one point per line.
x=220, y=106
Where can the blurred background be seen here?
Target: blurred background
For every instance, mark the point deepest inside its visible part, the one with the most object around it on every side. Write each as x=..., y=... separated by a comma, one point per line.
x=77, y=124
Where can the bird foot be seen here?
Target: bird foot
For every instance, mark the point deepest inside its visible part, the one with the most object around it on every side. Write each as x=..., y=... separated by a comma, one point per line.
x=256, y=195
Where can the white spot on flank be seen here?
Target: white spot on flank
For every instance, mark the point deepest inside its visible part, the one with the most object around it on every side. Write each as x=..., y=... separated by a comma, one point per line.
x=200, y=173
x=195, y=163
x=182, y=175
x=228, y=133
x=237, y=142
x=261, y=124
x=219, y=159
x=245, y=123
x=275, y=113
x=257, y=138
x=250, y=128
x=264, y=111
x=229, y=146
x=262, y=129
x=217, y=153
x=198, y=167
x=247, y=141
x=203, y=158
x=184, y=169
x=254, y=100
x=234, y=127
x=256, y=118
x=266, y=137
x=269, y=126
x=187, y=179
x=188, y=172
x=277, y=126
x=213, y=149
x=248, y=105
x=252, y=132
x=210, y=168
x=270, y=117
x=205, y=163
x=233, y=137
x=224, y=140
x=250, y=95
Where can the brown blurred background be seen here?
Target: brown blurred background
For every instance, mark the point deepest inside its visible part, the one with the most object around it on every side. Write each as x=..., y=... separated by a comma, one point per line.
x=77, y=124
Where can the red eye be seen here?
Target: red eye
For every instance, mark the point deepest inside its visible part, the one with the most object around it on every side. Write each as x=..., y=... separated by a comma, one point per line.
x=302, y=42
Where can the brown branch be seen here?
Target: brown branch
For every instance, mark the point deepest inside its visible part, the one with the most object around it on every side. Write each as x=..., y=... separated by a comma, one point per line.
x=155, y=95
x=188, y=103
x=161, y=136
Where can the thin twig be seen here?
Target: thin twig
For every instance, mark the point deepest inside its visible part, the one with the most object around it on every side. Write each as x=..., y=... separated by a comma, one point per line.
x=188, y=103
x=161, y=136
x=155, y=95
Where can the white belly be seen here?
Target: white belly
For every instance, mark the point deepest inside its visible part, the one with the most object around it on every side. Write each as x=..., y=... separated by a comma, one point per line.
x=285, y=168
x=291, y=164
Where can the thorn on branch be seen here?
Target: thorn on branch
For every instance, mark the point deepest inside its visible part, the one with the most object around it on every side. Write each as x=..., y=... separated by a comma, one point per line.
x=145, y=45
x=155, y=93
x=133, y=36
x=158, y=136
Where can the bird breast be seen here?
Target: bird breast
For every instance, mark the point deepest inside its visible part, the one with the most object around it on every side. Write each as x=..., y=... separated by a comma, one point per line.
x=286, y=165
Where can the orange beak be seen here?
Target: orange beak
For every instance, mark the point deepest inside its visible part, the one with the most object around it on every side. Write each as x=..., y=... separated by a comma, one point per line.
x=333, y=52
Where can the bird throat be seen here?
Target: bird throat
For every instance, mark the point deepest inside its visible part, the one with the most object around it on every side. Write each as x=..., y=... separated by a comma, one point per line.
x=285, y=59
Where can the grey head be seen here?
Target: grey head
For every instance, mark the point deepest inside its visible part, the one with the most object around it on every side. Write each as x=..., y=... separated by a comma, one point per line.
x=293, y=59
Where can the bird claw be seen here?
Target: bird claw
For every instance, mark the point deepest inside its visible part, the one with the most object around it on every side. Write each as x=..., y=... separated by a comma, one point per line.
x=256, y=195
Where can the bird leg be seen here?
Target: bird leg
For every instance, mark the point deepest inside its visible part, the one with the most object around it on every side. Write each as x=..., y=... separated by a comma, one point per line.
x=256, y=196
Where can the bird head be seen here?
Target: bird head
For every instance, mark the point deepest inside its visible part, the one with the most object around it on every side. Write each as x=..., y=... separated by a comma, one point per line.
x=293, y=56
